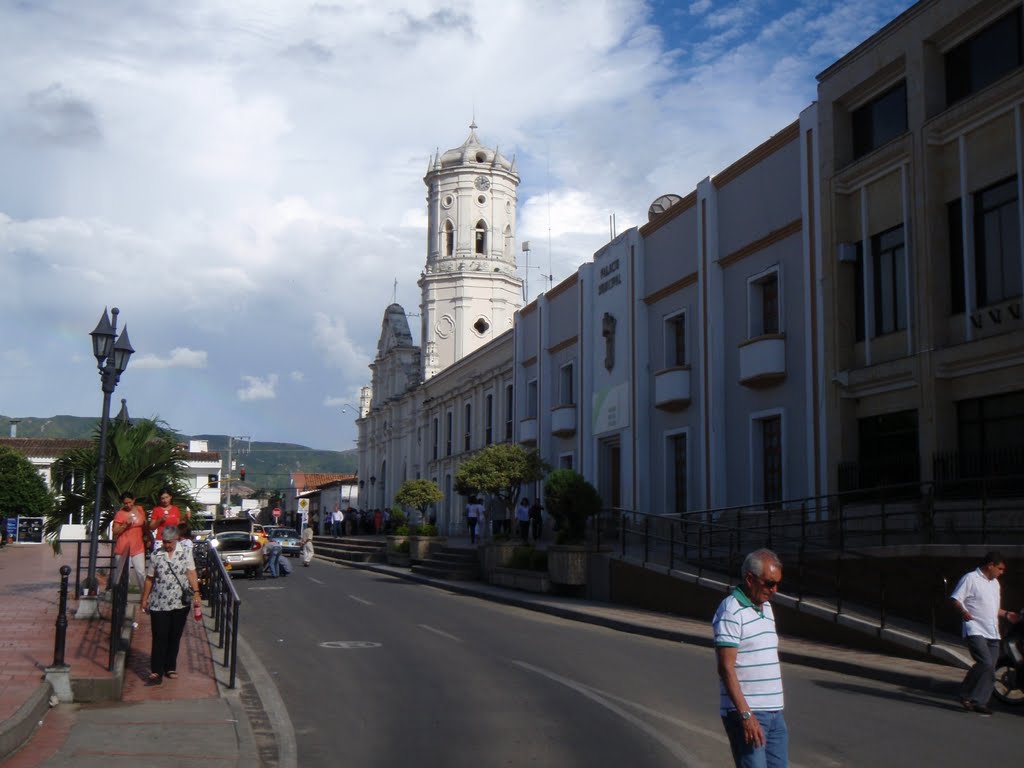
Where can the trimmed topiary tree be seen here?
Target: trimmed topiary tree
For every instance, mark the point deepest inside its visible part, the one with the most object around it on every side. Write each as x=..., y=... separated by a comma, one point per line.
x=570, y=500
x=419, y=494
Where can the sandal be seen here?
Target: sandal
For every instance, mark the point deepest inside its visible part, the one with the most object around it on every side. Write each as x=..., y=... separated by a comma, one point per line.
x=154, y=679
x=172, y=675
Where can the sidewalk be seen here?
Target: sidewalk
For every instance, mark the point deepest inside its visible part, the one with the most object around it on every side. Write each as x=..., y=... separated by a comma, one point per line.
x=194, y=720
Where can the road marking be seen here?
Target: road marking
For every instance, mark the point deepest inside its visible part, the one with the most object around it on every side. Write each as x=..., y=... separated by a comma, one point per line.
x=360, y=600
x=316, y=580
x=677, y=750
x=440, y=632
x=263, y=589
x=349, y=644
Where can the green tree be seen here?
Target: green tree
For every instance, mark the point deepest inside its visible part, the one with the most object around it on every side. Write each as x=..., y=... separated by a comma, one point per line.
x=499, y=471
x=570, y=500
x=143, y=456
x=419, y=494
x=22, y=490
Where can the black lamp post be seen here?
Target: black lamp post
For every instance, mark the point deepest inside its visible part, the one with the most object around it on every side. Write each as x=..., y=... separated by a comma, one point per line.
x=111, y=359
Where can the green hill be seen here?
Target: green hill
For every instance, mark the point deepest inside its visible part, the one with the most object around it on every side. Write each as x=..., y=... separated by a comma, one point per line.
x=267, y=465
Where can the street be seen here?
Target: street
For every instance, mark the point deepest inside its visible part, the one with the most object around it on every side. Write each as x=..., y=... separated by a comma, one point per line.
x=375, y=671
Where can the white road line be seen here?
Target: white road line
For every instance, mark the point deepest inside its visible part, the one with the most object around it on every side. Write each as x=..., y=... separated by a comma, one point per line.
x=360, y=600
x=677, y=750
x=316, y=580
x=441, y=633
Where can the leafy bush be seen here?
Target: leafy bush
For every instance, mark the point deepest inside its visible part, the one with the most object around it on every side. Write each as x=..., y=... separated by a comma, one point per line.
x=402, y=530
x=570, y=501
x=401, y=547
x=528, y=559
x=398, y=518
x=427, y=529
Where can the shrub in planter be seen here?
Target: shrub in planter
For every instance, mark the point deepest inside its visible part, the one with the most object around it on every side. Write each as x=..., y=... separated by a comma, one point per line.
x=402, y=530
x=401, y=548
x=570, y=500
x=427, y=529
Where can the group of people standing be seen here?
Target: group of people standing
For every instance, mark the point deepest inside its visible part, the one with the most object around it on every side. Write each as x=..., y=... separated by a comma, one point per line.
x=162, y=579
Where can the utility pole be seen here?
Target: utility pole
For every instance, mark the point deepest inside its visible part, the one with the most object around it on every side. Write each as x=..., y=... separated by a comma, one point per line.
x=231, y=467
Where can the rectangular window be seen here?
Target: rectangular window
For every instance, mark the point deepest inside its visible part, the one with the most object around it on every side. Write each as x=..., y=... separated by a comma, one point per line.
x=531, y=399
x=763, y=298
x=509, y=411
x=436, y=436
x=565, y=385
x=880, y=120
x=565, y=461
x=984, y=58
x=675, y=340
x=887, y=451
x=448, y=433
x=468, y=426
x=988, y=435
x=771, y=459
x=489, y=420
x=677, y=455
x=997, y=243
x=890, y=289
x=211, y=481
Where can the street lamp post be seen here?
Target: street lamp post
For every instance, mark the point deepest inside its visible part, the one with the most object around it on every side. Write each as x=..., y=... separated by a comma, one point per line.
x=111, y=360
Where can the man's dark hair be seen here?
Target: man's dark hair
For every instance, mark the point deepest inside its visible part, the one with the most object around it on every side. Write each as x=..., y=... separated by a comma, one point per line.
x=994, y=558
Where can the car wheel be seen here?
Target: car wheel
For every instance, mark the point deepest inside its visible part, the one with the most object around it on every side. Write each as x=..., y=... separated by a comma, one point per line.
x=1006, y=689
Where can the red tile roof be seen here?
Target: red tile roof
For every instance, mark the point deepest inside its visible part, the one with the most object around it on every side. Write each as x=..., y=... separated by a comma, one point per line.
x=44, y=447
x=308, y=481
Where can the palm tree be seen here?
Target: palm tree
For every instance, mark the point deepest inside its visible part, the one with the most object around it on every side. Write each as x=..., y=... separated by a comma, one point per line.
x=143, y=457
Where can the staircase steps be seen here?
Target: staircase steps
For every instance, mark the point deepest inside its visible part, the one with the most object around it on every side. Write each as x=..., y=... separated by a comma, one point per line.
x=451, y=564
x=351, y=549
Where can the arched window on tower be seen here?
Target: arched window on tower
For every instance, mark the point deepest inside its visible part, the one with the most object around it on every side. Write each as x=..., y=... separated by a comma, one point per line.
x=481, y=237
x=508, y=242
x=449, y=238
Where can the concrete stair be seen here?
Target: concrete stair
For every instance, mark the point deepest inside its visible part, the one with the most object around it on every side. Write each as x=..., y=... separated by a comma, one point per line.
x=452, y=564
x=351, y=549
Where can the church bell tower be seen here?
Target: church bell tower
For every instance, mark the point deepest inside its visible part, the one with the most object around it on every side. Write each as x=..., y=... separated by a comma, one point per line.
x=470, y=289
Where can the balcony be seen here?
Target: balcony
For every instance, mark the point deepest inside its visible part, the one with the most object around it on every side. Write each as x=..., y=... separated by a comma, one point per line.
x=528, y=431
x=763, y=360
x=563, y=421
x=672, y=388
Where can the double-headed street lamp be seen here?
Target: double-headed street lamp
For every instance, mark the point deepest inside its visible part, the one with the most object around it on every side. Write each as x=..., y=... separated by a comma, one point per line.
x=111, y=359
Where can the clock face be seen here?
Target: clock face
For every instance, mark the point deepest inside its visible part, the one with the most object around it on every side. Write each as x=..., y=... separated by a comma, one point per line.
x=483, y=183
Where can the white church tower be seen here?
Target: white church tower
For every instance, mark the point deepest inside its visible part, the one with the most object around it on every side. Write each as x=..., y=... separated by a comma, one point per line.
x=470, y=289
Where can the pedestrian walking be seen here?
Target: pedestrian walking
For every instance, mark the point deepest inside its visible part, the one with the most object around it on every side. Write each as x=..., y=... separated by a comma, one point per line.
x=523, y=519
x=164, y=515
x=166, y=599
x=129, y=523
x=337, y=520
x=474, y=511
x=536, y=519
x=978, y=597
x=307, y=545
x=750, y=677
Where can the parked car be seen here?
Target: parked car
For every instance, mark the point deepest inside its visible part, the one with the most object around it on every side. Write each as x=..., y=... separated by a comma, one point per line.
x=239, y=551
x=288, y=538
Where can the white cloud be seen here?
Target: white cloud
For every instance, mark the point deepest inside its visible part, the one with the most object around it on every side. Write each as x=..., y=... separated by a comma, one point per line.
x=258, y=388
x=180, y=357
x=297, y=376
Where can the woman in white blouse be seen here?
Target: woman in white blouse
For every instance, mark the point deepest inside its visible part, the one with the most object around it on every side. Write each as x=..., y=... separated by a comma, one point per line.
x=164, y=597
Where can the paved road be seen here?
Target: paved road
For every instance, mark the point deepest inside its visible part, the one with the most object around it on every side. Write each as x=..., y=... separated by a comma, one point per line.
x=380, y=672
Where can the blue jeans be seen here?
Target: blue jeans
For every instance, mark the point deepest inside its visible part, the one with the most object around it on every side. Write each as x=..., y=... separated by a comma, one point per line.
x=977, y=685
x=273, y=562
x=774, y=753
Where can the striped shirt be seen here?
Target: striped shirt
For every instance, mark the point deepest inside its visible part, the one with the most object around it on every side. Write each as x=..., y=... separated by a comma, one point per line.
x=738, y=624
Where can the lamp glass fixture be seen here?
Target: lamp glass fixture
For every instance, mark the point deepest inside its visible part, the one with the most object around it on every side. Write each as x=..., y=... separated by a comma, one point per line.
x=102, y=338
x=122, y=351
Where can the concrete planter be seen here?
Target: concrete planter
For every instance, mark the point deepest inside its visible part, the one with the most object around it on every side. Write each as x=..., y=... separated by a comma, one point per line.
x=398, y=559
x=394, y=541
x=567, y=564
x=497, y=554
x=528, y=581
x=420, y=547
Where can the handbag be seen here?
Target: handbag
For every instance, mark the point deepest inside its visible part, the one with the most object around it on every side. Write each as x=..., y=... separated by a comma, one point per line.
x=186, y=592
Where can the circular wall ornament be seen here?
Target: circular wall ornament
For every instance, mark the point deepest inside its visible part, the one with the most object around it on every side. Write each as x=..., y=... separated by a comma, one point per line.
x=447, y=201
x=444, y=327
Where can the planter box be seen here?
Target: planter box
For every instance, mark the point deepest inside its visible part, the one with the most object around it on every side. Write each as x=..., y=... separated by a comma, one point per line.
x=567, y=564
x=420, y=547
x=497, y=554
x=528, y=581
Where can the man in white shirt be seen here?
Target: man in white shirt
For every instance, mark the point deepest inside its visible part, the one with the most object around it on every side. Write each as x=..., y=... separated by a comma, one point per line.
x=338, y=520
x=977, y=596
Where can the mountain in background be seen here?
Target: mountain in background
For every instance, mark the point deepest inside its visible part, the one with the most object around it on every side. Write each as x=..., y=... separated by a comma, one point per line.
x=267, y=465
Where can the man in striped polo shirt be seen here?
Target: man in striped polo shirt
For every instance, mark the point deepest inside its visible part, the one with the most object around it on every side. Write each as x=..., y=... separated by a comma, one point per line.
x=747, y=647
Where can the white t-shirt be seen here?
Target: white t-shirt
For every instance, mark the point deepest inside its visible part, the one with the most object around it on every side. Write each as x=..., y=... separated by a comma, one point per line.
x=980, y=595
x=738, y=624
x=474, y=510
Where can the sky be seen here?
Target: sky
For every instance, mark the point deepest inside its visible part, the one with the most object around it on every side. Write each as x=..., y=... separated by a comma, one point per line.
x=243, y=179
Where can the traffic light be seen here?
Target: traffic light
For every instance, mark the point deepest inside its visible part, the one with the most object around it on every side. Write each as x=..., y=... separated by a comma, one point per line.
x=241, y=474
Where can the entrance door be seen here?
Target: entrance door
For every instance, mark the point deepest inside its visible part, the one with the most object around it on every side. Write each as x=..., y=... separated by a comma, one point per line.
x=609, y=478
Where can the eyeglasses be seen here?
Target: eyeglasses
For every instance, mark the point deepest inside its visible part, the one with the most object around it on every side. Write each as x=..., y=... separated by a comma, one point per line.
x=768, y=583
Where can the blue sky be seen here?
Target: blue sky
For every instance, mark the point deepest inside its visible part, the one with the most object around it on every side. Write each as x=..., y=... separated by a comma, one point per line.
x=244, y=179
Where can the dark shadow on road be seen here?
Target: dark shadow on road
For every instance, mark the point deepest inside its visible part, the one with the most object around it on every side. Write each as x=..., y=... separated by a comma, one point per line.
x=946, y=696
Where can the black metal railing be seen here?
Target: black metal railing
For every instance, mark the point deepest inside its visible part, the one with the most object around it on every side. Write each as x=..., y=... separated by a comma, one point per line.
x=118, y=608
x=103, y=560
x=225, y=605
x=830, y=545
x=982, y=474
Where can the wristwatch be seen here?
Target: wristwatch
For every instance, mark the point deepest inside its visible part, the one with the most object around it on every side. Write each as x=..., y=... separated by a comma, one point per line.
x=744, y=716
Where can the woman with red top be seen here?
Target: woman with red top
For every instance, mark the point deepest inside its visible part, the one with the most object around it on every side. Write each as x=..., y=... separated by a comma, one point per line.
x=128, y=541
x=164, y=516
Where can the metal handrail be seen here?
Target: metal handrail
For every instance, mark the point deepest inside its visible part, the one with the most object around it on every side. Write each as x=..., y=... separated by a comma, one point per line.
x=225, y=605
x=118, y=610
x=79, y=557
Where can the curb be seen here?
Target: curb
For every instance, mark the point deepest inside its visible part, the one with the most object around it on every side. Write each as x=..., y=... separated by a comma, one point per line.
x=17, y=730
